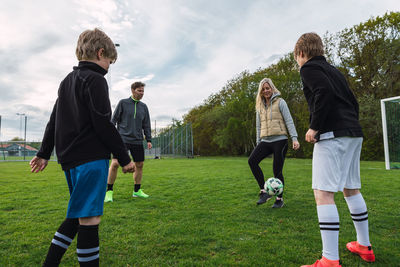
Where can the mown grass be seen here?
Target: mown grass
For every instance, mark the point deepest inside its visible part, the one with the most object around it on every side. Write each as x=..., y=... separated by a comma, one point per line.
x=201, y=212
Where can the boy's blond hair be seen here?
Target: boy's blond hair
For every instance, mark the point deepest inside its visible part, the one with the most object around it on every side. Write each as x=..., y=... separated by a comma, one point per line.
x=260, y=103
x=91, y=41
x=310, y=44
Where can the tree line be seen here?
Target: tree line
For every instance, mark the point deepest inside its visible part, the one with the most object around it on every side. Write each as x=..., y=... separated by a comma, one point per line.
x=368, y=54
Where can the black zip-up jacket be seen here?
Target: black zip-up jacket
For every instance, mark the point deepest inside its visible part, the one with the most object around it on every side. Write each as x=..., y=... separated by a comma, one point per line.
x=332, y=105
x=80, y=125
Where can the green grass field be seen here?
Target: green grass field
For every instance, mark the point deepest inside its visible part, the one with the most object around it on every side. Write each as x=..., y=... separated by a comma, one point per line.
x=201, y=212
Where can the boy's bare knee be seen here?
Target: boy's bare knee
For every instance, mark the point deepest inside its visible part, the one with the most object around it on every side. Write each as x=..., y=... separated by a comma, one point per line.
x=324, y=197
x=350, y=192
x=95, y=220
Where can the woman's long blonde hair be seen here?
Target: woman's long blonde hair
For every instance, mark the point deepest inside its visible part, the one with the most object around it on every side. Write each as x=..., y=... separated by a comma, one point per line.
x=260, y=100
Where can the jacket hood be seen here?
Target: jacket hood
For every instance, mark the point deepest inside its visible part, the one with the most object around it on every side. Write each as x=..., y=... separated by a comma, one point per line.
x=274, y=95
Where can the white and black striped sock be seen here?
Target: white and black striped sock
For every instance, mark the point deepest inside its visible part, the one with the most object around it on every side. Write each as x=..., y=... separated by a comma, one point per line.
x=359, y=214
x=88, y=248
x=61, y=241
x=328, y=217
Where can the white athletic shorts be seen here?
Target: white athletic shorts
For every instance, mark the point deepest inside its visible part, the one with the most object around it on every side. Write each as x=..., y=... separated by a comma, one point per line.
x=336, y=164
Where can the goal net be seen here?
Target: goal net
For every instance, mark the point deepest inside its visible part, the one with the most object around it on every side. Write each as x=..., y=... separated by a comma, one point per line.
x=390, y=108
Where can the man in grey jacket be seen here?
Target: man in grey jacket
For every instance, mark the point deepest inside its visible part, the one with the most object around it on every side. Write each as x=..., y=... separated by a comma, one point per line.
x=132, y=119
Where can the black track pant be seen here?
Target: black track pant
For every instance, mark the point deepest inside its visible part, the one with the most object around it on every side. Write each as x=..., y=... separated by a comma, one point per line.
x=263, y=150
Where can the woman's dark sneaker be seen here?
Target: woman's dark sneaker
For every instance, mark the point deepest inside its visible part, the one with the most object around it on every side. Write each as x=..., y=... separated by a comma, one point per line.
x=278, y=203
x=264, y=197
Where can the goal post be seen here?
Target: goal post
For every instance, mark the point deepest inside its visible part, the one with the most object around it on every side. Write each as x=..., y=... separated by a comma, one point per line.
x=390, y=109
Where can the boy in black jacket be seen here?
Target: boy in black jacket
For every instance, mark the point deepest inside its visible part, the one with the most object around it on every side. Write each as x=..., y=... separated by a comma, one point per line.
x=337, y=137
x=81, y=130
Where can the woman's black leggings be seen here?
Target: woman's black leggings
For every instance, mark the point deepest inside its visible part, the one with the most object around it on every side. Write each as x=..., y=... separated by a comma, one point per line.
x=263, y=150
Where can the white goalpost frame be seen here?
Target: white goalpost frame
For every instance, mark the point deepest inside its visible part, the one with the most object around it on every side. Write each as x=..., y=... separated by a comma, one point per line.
x=384, y=128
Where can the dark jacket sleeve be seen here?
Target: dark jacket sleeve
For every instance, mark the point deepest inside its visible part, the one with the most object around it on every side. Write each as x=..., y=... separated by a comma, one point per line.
x=147, y=125
x=48, y=139
x=100, y=113
x=318, y=83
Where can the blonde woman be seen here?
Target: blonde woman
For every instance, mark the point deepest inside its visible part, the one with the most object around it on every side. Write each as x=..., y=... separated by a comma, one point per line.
x=273, y=126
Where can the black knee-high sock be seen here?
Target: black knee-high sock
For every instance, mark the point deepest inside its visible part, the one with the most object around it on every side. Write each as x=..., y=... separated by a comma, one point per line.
x=88, y=245
x=61, y=241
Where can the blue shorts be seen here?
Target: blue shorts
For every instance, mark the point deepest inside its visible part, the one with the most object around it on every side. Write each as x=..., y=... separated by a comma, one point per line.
x=87, y=187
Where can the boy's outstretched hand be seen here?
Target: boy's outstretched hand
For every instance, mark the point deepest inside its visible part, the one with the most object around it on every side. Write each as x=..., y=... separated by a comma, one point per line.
x=38, y=164
x=310, y=136
x=129, y=168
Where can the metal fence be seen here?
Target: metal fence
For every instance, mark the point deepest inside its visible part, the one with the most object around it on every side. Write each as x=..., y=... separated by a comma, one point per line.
x=19, y=150
x=175, y=141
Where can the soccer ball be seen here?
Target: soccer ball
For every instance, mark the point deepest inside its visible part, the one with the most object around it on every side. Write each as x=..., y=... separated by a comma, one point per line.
x=273, y=186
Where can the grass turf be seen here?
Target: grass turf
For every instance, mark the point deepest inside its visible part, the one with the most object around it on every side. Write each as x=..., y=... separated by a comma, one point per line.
x=201, y=212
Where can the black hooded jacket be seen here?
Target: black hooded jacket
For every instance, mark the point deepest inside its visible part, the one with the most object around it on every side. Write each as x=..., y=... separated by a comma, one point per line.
x=332, y=105
x=80, y=125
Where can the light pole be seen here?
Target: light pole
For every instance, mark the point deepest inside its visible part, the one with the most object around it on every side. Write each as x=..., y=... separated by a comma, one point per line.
x=20, y=122
x=2, y=148
x=26, y=119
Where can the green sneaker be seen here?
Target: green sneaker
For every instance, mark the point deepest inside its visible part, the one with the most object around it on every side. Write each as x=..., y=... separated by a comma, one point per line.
x=109, y=196
x=140, y=193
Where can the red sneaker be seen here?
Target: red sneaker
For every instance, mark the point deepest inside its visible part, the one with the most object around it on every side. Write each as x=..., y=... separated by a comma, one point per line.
x=365, y=252
x=324, y=262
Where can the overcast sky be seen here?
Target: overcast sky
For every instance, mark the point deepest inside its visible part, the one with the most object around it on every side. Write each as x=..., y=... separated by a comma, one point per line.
x=183, y=50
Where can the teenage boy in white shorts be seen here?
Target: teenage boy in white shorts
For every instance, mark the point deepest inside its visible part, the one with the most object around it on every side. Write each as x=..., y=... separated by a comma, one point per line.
x=337, y=135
